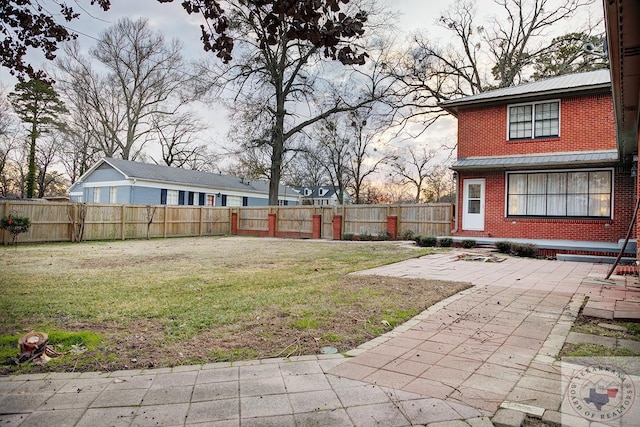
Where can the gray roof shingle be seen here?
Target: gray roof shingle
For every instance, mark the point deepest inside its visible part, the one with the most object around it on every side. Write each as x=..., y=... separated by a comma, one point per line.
x=186, y=176
x=315, y=191
x=598, y=79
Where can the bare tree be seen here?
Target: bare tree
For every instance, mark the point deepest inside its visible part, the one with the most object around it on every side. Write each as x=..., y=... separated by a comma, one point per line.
x=277, y=75
x=146, y=77
x=177, y=135
x=47, y=156
x=413, y=168
x=14, y=174
x=364, y=158
x=8, y=147
x=307, y=169
x=440, y=185
x=9, y=143
x=333, y=151
x=479, y=56
x=515, y=43
x=79, y=150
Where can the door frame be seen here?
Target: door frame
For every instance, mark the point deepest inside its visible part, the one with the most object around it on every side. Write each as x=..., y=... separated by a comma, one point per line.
x=474, y=223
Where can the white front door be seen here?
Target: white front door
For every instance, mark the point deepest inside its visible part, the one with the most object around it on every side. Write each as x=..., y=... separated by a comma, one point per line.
x=473, y=204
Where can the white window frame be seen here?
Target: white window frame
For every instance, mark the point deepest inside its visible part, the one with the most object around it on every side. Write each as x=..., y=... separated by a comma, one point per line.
x=96, y=194
x=533, y=119
x=113, y=194
x=611, y=203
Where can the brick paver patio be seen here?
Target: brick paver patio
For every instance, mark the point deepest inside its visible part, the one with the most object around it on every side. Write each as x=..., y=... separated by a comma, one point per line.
x=475, y=349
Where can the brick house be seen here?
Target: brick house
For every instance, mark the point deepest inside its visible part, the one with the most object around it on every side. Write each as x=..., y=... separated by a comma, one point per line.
x=539, y=162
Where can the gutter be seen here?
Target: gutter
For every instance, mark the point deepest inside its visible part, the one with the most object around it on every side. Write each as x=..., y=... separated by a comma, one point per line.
x=453, y=106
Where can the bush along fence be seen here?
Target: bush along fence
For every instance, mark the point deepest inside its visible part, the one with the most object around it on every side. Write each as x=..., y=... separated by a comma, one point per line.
x=74, y=222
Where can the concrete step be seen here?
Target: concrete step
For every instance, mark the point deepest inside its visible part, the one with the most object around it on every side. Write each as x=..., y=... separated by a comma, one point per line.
x=596, y=259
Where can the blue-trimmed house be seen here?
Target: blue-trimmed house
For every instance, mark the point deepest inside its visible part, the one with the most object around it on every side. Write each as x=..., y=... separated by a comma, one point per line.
x=126, y=182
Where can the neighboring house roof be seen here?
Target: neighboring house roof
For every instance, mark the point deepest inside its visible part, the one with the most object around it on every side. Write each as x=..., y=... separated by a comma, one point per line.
x=159, y=173
x=328, y=191
x=599, y=80
x=546, y=160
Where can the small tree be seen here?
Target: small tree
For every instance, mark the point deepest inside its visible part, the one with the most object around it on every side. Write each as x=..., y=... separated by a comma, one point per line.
x=15, y=225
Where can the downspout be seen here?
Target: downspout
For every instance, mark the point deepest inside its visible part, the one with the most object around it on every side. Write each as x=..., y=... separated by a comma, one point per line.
x=626, y=240
x=455, y=203
x=131, y=195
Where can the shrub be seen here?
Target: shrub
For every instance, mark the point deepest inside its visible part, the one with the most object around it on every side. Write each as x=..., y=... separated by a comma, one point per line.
x=526, y=250
x=15, y=225
x=468, y=244
x=366, y=236
x=504, y=247
x=428, y=241
x=385, y=235
x=347, y=236
x=445, y=242
x=407, y=235
x=417, y=239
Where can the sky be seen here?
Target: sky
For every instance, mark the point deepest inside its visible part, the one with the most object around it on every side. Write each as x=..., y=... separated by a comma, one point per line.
x=173, y=22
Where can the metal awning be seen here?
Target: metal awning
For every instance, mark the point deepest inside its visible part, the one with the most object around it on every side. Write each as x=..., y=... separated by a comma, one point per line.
x=564, y=160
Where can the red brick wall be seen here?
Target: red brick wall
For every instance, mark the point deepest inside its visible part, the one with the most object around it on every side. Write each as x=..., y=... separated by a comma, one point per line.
x=498, y=225
x=586, y=123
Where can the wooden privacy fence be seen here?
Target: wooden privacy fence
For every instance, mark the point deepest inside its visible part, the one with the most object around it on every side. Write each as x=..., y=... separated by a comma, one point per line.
x=69, y=222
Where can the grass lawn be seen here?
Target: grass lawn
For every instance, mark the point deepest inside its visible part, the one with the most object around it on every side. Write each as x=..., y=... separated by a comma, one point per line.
x=158, y=303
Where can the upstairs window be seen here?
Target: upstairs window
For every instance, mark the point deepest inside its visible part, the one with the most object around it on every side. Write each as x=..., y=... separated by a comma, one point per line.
x=536, y=120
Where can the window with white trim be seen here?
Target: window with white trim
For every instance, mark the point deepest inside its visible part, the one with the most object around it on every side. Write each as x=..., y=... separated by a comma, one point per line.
x=172, y=197
x=535, y=120
x=96, y=195
x=113, y=194
x=560, y=194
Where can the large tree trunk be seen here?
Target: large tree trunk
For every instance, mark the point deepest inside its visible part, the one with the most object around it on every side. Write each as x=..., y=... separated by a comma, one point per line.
x=277, y=146
x=276, y=171
x=31, y=175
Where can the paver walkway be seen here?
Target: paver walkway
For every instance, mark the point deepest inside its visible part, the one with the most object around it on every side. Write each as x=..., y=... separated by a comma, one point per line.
x=273, y=392
x=491, y=345
x=476, y=347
